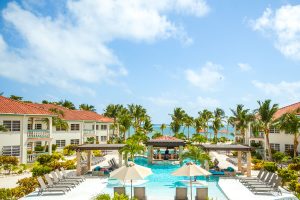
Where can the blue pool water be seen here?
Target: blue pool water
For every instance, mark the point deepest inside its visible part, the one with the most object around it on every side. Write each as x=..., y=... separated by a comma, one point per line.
x=161, y=184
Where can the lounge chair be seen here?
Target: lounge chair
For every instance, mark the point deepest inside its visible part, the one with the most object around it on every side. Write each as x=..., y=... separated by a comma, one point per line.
x=267, y=183
x=58, y=185
x=201, y=194
x=60, y=177
x=259, y=175
x=140, y=193
x=181, y=193
x=115, y=163
x=262, y=178
x=269, y=189
x=119, y=190
x=266, y=180
x=70, y=176
x=56, y=180
x=44, y=188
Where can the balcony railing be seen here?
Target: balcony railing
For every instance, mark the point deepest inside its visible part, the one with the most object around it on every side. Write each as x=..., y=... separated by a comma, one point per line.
x=88, y=131
x=38, y=133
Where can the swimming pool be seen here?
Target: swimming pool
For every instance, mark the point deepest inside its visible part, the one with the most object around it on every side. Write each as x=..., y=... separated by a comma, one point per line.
x=161, y=184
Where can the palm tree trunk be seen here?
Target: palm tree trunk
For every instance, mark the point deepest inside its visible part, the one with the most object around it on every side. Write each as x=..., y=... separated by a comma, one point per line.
x=188, y=132
x=243, y=135
x=268, y=145
x=295, y=145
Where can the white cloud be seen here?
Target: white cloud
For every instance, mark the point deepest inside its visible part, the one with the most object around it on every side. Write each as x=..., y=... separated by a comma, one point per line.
x=289, y=90
x=71, y=50
x=162, y=101
x=244, y=67
x=283, y=25
x=207, y=78
x=205, y=102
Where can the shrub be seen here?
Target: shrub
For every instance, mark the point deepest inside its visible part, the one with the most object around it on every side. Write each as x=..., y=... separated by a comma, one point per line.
x=97, y=153
x=69, y=150
x=287, y=175
x=278, y=156
x=294, y=166
x=6, y=194
x=69, y=164
x=270, y=166
x=39, y=148
x=102, y=197
x=255, y=161
x=44, y=159
x=41, y=170
x=258, y=166
x=292, y=185
x=8, y=160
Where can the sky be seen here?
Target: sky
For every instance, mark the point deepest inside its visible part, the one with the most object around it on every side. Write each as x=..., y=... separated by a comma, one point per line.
x=162, y=54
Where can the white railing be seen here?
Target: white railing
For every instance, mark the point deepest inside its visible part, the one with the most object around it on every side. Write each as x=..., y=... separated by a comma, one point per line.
x=88, y=131
x=38, y=133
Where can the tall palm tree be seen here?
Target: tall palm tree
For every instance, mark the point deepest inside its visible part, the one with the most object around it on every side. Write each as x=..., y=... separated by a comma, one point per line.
x=198, y=138
x=162, y=128
x=131, y=148
x=266, y=113
x=87, y=107
x=58, y=121
x=124, y=121
x=112, y=111
x=138, y=113
x=217, y=121
x=67, y=104
x=177, y=119
x=199, y=124
x=196, y=154
x=148, y=127
x=188, y=122
x=241, y=119
x=205, y=116
x=290, y=123
x=175, y=127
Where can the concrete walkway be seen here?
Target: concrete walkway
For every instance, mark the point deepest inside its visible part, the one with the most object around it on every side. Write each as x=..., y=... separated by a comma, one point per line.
x=11, y=181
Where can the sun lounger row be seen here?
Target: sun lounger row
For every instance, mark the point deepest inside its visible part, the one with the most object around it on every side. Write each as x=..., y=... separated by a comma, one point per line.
x=181, y=193
x=58, y=183
x=265, y=182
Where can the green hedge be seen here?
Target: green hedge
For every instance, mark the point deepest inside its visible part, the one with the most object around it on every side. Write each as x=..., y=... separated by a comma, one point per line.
x=270, y=166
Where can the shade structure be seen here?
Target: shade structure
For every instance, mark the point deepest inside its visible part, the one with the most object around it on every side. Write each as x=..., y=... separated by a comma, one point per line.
x=131, y=172
x=191, y=169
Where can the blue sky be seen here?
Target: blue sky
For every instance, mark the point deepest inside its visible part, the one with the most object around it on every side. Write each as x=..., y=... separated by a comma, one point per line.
x=194, y=54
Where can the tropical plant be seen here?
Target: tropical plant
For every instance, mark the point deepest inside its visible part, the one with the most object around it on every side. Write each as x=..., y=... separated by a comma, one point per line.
x=112, y=111
x=188, y=121
x=265, y=119
x=3, y=129
x=270, y=166
x=198, y=138
x=196, y=154
x=157, y=135
x=290, y=123
x=57, y=120
x=67, y=104
x=177, y=119
x=241, y=119
x=147, y=126
x=138, y=114
x=162, y=128
x=217, y=121
x=131, y=148
x=181, y=136
x=17, y=98
x=69, y=150
x=203, y=120
x=87, y=107
x=287, y=175
x=124, y=121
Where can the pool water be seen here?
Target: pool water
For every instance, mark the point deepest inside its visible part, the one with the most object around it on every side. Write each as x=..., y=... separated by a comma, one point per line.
x=161, y=184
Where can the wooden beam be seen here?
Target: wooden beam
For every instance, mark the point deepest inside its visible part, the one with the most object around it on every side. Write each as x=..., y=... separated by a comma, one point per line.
x=78, y=166
x=248, y=164
x=239, y=160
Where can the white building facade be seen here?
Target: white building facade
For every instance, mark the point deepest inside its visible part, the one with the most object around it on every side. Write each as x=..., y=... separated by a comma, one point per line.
x=30, y=125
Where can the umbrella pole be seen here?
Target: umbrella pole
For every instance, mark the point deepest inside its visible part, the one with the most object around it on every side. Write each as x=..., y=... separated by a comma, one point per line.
x=191, y=187
x=131, y=189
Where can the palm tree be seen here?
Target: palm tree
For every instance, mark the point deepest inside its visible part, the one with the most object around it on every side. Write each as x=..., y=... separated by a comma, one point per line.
x=124, y=121
x=138, y=113
x=175, y=127
x=131, y=148
x=266, y=113
x=217, y=122
x=188, y=122
x=177, y=119
x=57, y=121
x=196, y=154
x=67, y=104
x=199, y=124
x=162, y=128
x=148, y=127
x=112, y=111
x=87, y=107
x=17, y=98
x=156, y=135
x=290, y=123
x=205, y=116
x=241, y=119
x=198, y=138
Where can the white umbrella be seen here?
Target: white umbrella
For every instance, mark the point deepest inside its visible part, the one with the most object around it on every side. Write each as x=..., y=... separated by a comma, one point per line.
x=191, y=169
x=131, y=172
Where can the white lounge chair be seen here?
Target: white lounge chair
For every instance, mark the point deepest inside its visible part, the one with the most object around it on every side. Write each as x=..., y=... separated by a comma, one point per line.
x=140, y=193
x=44, y=188
x=181, y=193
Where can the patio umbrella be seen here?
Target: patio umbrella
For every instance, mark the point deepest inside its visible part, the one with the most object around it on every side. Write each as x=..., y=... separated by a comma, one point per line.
x=131, y=172
x=191, y=169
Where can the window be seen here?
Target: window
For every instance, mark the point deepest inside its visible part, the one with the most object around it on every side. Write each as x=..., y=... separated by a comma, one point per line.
x=12, y=125
x=29, y=126
x=60, y=143
x=97, y=127
x=11, y=150
x=75, y=127
x=59, y=128
x=274, y=130
x=103, y=127
x=38, y=126
x=103, y=138
x=74, y=141
x=288, y=148
x=275, y=147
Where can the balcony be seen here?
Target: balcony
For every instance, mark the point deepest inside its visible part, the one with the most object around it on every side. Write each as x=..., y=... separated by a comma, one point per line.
x=89, y=133
x=38, y=133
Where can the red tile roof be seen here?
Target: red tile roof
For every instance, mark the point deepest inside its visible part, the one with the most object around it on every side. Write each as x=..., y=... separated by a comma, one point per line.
x=75, y=115
x=166, y=137
x=287, y=109
x=10, y=106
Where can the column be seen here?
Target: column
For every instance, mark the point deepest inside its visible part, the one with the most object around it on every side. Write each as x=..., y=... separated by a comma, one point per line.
x=180, y=154
x=248, y=164
x=81, y=133
x=23, y=140
x=78, y=167
x=239, y=160
x=50, y=136
x=126, y=159
x=120, y=159
x=95, y=132
x=149, y=154
x=89, y=159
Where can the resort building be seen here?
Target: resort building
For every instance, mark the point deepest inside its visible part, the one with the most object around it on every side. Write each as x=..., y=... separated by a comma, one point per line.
x=30, y=125
x=279, y=140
